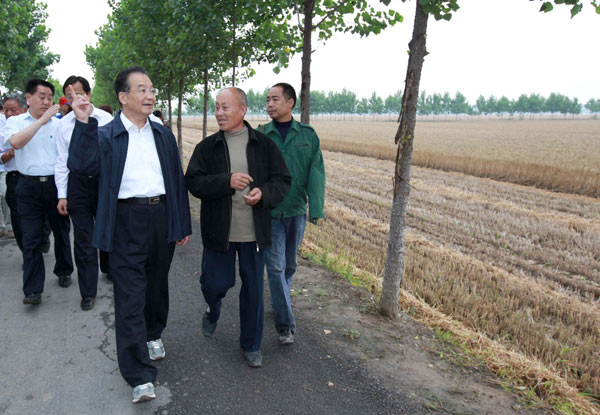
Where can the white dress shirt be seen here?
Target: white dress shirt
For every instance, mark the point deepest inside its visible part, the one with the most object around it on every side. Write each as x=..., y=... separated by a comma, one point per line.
x=142, y=175
x=38, y=156
x=66, y=126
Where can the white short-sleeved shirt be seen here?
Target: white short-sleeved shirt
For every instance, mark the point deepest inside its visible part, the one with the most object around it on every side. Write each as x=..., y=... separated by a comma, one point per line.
x=38, y=156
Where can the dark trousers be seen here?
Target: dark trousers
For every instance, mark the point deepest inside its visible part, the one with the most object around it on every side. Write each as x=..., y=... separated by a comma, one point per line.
x=12, y=177
x=82, y=196
x=218, y=276
x=139, y=266
x=36, y=202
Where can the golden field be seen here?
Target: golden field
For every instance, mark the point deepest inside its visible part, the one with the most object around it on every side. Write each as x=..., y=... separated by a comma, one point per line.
x=517, y=265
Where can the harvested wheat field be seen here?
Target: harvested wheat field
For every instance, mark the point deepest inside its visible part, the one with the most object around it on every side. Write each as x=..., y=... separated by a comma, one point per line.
x=562, y=155
x=517, y=267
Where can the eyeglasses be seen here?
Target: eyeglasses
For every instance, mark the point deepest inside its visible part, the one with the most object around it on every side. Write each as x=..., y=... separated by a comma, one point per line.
x=144, y=91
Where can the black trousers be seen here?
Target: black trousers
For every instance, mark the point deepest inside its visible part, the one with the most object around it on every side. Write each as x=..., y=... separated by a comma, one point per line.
x=82, y=196
x=12, y=177
x=139, y=266
x=218, y=276
x=36, y=202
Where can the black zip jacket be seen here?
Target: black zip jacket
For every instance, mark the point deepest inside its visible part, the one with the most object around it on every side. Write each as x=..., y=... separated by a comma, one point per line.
x=208, y=177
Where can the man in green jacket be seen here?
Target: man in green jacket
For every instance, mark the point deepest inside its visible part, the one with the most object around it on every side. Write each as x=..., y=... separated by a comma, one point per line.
x=301, y=150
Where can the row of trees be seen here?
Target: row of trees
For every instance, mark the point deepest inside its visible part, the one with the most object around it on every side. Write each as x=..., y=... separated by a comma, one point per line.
x=193, y=48
x=346, y=102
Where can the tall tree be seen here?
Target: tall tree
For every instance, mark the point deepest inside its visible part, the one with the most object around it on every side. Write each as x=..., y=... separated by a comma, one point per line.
x=440, y=9
x=325, y=17
x=23, y=33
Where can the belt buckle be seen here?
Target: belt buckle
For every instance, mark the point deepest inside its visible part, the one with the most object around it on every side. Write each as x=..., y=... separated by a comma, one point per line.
x=153, y=200
x=43, y=179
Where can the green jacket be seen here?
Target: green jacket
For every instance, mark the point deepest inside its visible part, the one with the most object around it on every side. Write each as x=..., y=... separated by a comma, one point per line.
x=302, y=154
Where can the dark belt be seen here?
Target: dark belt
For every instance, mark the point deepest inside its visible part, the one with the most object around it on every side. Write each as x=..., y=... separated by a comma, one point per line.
x=154, y=200
x=38, y=178
x=12, y=173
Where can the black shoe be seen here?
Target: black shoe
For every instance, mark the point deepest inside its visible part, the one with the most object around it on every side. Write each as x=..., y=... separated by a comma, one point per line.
x=254, y=359
x=87, y=303
x=34, y=298
x=64, y=281
x=46, y=246
x=208, y=327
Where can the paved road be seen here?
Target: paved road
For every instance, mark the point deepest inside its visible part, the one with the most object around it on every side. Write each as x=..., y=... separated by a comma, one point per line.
x=57, y=359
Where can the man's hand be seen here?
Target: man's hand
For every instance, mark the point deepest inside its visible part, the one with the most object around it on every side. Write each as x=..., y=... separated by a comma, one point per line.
x=253, y=197
x=49, y=113
x=7, y=155
x=62, y=207
x=239, y=181
x=81, y=106
x=183, y=241
x=314, y=221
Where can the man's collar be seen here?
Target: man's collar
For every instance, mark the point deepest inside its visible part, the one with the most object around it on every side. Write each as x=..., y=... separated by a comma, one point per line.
x=128, y=124
x=270, y=126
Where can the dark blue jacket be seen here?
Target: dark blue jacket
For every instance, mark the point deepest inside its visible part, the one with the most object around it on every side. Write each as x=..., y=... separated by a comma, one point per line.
x=102, y=151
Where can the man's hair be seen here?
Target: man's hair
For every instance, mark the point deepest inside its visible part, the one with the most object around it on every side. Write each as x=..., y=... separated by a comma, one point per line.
x=32, y=85
x=19, y=98
x=288, y=92
x=122, y=81
x=107, y=108
x=73, y=79
x=242, y=97
x=157, y=113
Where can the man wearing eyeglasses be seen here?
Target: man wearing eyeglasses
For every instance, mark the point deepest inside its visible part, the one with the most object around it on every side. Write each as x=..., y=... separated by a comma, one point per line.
x=143, y=211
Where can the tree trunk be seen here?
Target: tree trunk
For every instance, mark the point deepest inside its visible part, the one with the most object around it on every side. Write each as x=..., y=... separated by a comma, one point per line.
x=234, y=62
x=179, y=120
x=309, y=6
x=169, y=97
x=404, y=138
x=205, y=110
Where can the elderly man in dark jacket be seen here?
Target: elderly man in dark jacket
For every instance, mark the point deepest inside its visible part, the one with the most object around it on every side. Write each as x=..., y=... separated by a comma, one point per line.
x=143, y=211
x=239, y=174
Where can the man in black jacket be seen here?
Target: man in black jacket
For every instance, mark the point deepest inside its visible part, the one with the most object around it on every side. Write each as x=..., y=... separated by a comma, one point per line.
x=239, y=174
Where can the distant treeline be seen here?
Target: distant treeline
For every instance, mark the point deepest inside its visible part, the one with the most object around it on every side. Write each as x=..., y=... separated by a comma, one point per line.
x=346, y=102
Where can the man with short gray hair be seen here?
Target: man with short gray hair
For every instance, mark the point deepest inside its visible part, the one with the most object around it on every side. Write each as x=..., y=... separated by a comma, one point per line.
x=239, y=174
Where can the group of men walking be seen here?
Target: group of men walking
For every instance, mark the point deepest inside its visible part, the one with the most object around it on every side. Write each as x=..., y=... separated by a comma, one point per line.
x=121, y=182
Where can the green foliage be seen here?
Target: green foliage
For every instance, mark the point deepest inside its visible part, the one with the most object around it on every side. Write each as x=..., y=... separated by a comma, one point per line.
x=329, y=17
x=376, y=105
x=22, y=35
x=58, y=92
x=195, y=104
x=257, y=101
x=593, y=105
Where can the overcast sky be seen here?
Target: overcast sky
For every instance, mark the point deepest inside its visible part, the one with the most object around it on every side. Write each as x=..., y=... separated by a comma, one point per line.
x=499, y=47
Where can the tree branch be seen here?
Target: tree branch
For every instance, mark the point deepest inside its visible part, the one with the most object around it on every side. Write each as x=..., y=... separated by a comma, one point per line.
x=330, y=12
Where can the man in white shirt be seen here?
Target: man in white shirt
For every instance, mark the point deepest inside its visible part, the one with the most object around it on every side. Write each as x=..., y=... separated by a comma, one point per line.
x=33, y=136
x=14, y=104
x=143, y=211
x=78, y=196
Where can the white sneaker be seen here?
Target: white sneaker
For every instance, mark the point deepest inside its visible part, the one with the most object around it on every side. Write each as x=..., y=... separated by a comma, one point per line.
x=143, y=393
x=156, y=349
